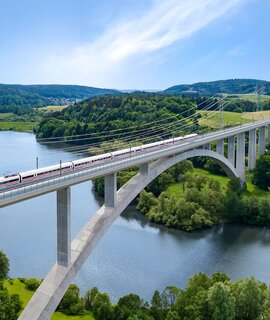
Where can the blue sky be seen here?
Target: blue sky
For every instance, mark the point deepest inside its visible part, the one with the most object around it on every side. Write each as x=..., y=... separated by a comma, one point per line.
x=124, y=44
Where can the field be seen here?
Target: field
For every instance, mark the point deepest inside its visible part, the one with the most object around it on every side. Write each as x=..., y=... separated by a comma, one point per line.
x=4, y=116
x=249, y=96
x=177, y=188
x=25, y=295
x=52, y=108
x=17, y=126
x=216, y=120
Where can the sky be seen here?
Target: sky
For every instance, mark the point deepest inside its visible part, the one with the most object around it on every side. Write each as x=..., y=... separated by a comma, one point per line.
x=127, y=44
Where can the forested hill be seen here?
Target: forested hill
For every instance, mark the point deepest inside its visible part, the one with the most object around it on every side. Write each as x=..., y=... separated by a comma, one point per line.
x=118, y=112
x=42, y=95
x=232, y=86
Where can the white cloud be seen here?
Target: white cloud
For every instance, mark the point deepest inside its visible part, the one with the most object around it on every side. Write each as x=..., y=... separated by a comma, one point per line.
x=168, y=21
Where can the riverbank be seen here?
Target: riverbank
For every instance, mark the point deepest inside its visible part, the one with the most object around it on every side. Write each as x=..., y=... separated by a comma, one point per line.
x=15, y=286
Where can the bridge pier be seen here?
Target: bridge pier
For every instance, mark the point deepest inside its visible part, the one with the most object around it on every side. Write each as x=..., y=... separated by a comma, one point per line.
x=144, y=169
x=220, y=146
x=240, y=156
x=63, y=227
x=252, y=149
x=261, y=140
x=231, y=150
x=268, y=135
x=110, y=190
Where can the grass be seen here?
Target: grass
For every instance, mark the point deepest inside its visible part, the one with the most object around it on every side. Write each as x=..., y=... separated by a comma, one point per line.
x=177, y=188
x=62, y=316
x=25, y=295
x=19, y=288
x=217, y=119
x=53, y=108
x=249, y=96
x=4, y=116
x=17, y=126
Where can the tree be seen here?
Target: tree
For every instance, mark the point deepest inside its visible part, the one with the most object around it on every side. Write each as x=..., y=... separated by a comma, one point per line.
x=100, y=300
x=261, y=172
x=4, y=266
x=146, y=201
x=32, y=284
x=221, y=302
x=157, y=306
x=249, y=299
x=104, y=312
x=234, y=185
x=172, y=315
x=9, y=305
x=90, y=297
x=70, y=298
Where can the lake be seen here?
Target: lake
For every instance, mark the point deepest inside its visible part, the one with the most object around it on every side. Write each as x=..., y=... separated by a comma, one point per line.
x=135, y=255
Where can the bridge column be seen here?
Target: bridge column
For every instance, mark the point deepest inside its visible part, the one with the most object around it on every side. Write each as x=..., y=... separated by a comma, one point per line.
x=240, y=155
x=110, y=190
x=220, y=146
x=261, y=140
x=268, y=135
x=252, y=146
x=63, y=227
x=144, y=168
x=231, y=150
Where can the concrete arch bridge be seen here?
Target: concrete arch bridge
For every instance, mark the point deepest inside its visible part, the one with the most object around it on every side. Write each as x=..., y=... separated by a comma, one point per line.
x=72, y=255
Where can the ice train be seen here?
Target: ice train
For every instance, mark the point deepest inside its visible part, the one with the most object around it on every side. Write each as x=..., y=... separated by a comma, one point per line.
x=40, y=174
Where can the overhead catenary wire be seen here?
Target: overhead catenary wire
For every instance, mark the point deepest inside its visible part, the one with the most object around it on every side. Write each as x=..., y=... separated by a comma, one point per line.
x=142, y=131
x=121, y=129
x=85, y=148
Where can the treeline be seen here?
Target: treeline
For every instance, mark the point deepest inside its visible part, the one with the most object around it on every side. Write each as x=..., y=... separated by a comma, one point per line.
x=118, y=112
x=230, y=86
x=232, y=103
x=204, y=298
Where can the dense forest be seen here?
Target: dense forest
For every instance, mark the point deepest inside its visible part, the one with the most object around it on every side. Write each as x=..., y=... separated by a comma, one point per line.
x=151, y=114
x=163, y=116
x=23, y=96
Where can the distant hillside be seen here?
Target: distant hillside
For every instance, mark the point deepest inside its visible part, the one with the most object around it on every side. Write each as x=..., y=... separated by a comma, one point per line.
x=232, y=86
x=43, y=95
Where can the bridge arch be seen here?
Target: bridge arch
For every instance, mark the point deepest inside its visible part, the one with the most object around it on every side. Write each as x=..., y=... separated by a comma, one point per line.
x=47, y=297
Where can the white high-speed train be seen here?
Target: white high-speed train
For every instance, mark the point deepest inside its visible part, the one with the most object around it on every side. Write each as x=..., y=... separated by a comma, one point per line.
x=37, y=174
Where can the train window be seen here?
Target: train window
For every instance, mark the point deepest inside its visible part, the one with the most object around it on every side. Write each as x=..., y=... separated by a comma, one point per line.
x=31, y=176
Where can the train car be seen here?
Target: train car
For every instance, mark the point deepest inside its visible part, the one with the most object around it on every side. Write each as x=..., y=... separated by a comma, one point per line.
x=14, y=179
x=126, y=152
x=9, y=180
x=91, y=160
